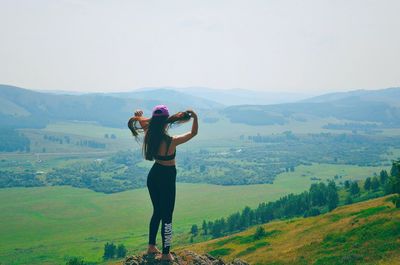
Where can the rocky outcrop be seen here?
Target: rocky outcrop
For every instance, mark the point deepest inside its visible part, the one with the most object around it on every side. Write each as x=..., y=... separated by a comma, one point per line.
x=185, y=257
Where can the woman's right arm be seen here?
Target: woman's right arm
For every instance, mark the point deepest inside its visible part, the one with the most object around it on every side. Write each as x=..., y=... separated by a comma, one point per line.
x=183, y=138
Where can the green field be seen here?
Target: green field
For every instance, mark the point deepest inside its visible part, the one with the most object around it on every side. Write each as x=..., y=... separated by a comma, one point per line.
x=44, y=225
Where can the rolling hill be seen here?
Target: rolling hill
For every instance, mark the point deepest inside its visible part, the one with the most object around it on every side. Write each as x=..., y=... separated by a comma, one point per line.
x=389, y=95
x=377, y=106
x=363, y=233
x=23, y=108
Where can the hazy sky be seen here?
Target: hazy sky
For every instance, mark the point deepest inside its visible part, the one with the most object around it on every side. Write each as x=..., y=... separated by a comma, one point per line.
x=269, y=45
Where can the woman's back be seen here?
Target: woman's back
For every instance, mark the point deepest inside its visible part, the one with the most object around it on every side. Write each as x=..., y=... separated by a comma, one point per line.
x=166, y=152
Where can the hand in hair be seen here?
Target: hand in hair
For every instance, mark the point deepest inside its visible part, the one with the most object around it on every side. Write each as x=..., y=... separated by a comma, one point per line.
x=132, y=123
x=142, y=120
x=183, y=138
x=191, y=113
x=138, y=113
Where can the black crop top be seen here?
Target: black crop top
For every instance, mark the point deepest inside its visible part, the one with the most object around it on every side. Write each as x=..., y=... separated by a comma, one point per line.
x=166, y=157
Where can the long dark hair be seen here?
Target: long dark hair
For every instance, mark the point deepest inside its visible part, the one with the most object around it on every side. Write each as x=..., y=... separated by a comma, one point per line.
x=157, y=130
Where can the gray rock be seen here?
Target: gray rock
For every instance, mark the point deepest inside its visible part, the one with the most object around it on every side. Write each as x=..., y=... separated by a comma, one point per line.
x=185, y=257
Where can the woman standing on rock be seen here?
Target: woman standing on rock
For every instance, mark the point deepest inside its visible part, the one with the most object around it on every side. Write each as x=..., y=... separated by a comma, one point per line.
x=161, y=147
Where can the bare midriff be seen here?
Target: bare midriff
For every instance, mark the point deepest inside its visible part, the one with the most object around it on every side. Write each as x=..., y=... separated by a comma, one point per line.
x=166, y=163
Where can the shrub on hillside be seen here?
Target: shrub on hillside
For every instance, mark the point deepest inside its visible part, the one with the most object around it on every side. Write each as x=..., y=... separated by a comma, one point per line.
x=396, y=201
x=78, y=261
x=260, y=233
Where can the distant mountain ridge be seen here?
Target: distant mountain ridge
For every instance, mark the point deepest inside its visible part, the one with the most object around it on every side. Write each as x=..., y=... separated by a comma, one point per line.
x=380, y=106
x=389, y=95
x=23, y=108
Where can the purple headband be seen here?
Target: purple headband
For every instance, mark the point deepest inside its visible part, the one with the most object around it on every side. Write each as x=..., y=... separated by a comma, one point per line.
x=160, y=110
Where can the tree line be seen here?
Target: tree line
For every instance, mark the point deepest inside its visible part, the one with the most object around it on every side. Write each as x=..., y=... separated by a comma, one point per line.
x=111, y=251
x=320, y=198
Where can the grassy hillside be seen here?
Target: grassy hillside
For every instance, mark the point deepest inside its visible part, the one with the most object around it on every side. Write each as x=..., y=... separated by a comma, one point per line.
x=362, y=233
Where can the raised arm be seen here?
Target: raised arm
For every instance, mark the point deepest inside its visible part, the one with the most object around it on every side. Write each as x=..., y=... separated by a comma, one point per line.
x=183, y=138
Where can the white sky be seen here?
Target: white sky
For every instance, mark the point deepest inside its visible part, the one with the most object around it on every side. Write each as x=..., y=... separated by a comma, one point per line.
x=115, y=45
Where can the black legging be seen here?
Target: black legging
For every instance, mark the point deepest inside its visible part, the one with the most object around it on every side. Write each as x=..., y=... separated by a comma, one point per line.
x=161, y=185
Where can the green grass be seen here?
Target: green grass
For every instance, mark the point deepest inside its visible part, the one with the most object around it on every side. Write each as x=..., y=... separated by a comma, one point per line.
x=251, y=249
x=371, y=211
x=44, y=224
x=47, y=223
x=220, y=252
x=368, y=242
x=367, y=233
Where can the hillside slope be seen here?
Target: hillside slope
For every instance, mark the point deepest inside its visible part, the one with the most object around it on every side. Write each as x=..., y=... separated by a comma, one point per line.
x=362, y=233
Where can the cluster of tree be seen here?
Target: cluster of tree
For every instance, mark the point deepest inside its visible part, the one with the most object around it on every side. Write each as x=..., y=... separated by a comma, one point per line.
x=106, y=176
x=57, y=139
x=91, y=144
x=112, y=251
x=352, y=126
x=247, y=165
x=79, y=261
x=319, y=198
x=393, y=183
x=27, y=178
x=116, y=174
x=259, y=233
x=396, y=201
x=11, y=140
x=361, y=150
x=386, y=183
